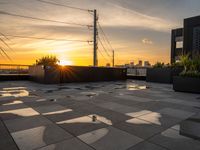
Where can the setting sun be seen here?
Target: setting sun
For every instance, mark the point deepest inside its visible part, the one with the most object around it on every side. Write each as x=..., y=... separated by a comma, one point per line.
x=65, y=62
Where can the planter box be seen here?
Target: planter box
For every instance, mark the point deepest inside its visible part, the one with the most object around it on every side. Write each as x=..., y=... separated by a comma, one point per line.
x=186, y=84
x=162, y=75
x=67, y=74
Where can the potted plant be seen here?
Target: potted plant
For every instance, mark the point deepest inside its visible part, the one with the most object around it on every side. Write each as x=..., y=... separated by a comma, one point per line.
x=162, y=73
x=189, y=79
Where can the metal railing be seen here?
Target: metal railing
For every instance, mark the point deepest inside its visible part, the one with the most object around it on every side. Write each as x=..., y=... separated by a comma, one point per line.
x=13, y=69
x=137, y=71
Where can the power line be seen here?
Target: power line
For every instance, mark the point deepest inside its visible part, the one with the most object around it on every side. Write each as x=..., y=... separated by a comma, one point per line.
x=106, y=38
x=5, y=53
x=49, y=39
x=62, y=5
x=6, y=44
x=41, y=19
x=104, y=48
x=102, y=55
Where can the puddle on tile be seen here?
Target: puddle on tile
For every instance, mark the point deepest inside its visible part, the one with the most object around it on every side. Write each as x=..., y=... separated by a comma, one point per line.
x=14, y=92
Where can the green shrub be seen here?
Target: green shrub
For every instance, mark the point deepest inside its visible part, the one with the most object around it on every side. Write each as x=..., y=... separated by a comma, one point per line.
x=159, y=65
x=194, y=74
x=191, y=66
x=47, y=61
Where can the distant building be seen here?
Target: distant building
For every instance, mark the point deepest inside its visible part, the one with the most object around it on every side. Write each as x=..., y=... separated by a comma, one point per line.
x=186, y=40
x=132, y=64
x=139, y=63
x=147, y=64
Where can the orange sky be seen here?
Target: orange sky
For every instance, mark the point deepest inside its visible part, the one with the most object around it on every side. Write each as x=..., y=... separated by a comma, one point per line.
x=136, y=32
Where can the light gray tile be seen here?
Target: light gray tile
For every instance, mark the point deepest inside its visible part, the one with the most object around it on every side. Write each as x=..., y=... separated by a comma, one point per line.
x=146, y=146
x=110, y=139
x=40, y=136
x=176, y=113
x=172, y=140
x=139, y=128
x=160, y=119
x=26, y=123
x=71, y=144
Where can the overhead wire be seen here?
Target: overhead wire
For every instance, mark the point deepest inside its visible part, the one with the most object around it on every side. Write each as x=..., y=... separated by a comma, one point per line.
x=41, y=19
x=62, y=5
x=50, y=39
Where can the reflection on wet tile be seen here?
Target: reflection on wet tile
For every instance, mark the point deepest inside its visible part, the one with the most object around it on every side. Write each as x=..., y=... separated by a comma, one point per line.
x=102, y=119
x=72, y=144
x=52, y=109
x=140, y=128
x=109, y=139
x=138, y=113
x=38, y=137
x=14, y=125
x=16, y=113
x=14, y=91
x=81, y=125
x=160, y=119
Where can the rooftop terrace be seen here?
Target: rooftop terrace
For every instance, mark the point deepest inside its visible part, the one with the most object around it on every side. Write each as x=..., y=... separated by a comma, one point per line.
x=124, y=115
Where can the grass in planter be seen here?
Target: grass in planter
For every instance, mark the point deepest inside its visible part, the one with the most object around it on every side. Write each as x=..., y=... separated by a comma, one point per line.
x=191, y=66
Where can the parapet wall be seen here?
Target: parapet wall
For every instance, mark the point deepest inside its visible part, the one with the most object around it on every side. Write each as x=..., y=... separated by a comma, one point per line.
x=67, y=74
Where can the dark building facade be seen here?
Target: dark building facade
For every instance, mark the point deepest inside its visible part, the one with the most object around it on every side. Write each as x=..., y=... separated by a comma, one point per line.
x=186, y=40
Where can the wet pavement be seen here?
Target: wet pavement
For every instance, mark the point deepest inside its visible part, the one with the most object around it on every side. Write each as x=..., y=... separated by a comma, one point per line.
x=123, y=115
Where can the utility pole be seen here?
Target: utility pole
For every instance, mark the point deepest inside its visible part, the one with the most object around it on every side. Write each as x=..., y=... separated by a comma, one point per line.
x=95, y=59
x=113, y=61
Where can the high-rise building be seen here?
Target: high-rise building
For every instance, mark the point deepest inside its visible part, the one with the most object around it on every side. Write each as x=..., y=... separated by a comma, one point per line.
x=186, y=40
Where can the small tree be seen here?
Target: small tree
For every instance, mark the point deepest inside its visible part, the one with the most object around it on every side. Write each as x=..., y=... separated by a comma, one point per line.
x=185, y=61
x=47, y=60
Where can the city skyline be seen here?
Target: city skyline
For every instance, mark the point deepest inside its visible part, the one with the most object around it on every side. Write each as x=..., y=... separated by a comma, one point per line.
x=135, y=31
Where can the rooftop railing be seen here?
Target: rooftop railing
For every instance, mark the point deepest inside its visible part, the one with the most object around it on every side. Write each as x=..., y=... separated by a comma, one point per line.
x=10, y=69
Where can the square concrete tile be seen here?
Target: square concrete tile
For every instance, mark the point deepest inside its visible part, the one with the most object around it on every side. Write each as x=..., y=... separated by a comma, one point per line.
x=65, y=116
x=118, y=107
x=172, y=140
x=81, y=125
x=71, y=144
x=38, y=137
x=146, y=146
x=113, y=116
x=140, y=128
x=160, y=119
x=52, y=109
x=6, y=141
x=18, y=113
x=110, y=139
x=176, y=113
x=15, y=125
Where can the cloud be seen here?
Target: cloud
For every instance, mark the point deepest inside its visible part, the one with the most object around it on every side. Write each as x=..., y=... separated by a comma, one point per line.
x=117, y=15
x=147, y=41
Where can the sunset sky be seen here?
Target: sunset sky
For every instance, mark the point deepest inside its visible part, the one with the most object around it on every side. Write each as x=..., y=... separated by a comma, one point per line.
x=137, y=29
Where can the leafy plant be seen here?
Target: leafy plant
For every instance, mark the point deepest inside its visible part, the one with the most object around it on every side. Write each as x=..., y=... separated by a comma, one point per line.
x=191, y=66
x=47, y=61
x=185, y=62
x=159, y=65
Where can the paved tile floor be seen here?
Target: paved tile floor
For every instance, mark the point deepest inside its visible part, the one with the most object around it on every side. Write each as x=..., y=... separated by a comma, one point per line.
x=123, y=115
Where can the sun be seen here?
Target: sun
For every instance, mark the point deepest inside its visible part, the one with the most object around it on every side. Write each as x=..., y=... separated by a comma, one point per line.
x=63, y=62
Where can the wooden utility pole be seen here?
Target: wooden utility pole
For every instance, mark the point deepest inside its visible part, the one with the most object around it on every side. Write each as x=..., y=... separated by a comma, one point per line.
x=113, y=61
x=95, y=59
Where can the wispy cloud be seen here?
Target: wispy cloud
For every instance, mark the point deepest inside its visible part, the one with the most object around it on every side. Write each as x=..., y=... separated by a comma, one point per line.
x=147, y=41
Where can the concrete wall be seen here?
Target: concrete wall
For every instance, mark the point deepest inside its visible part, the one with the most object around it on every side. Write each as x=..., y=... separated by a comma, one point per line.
x=56, y=74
